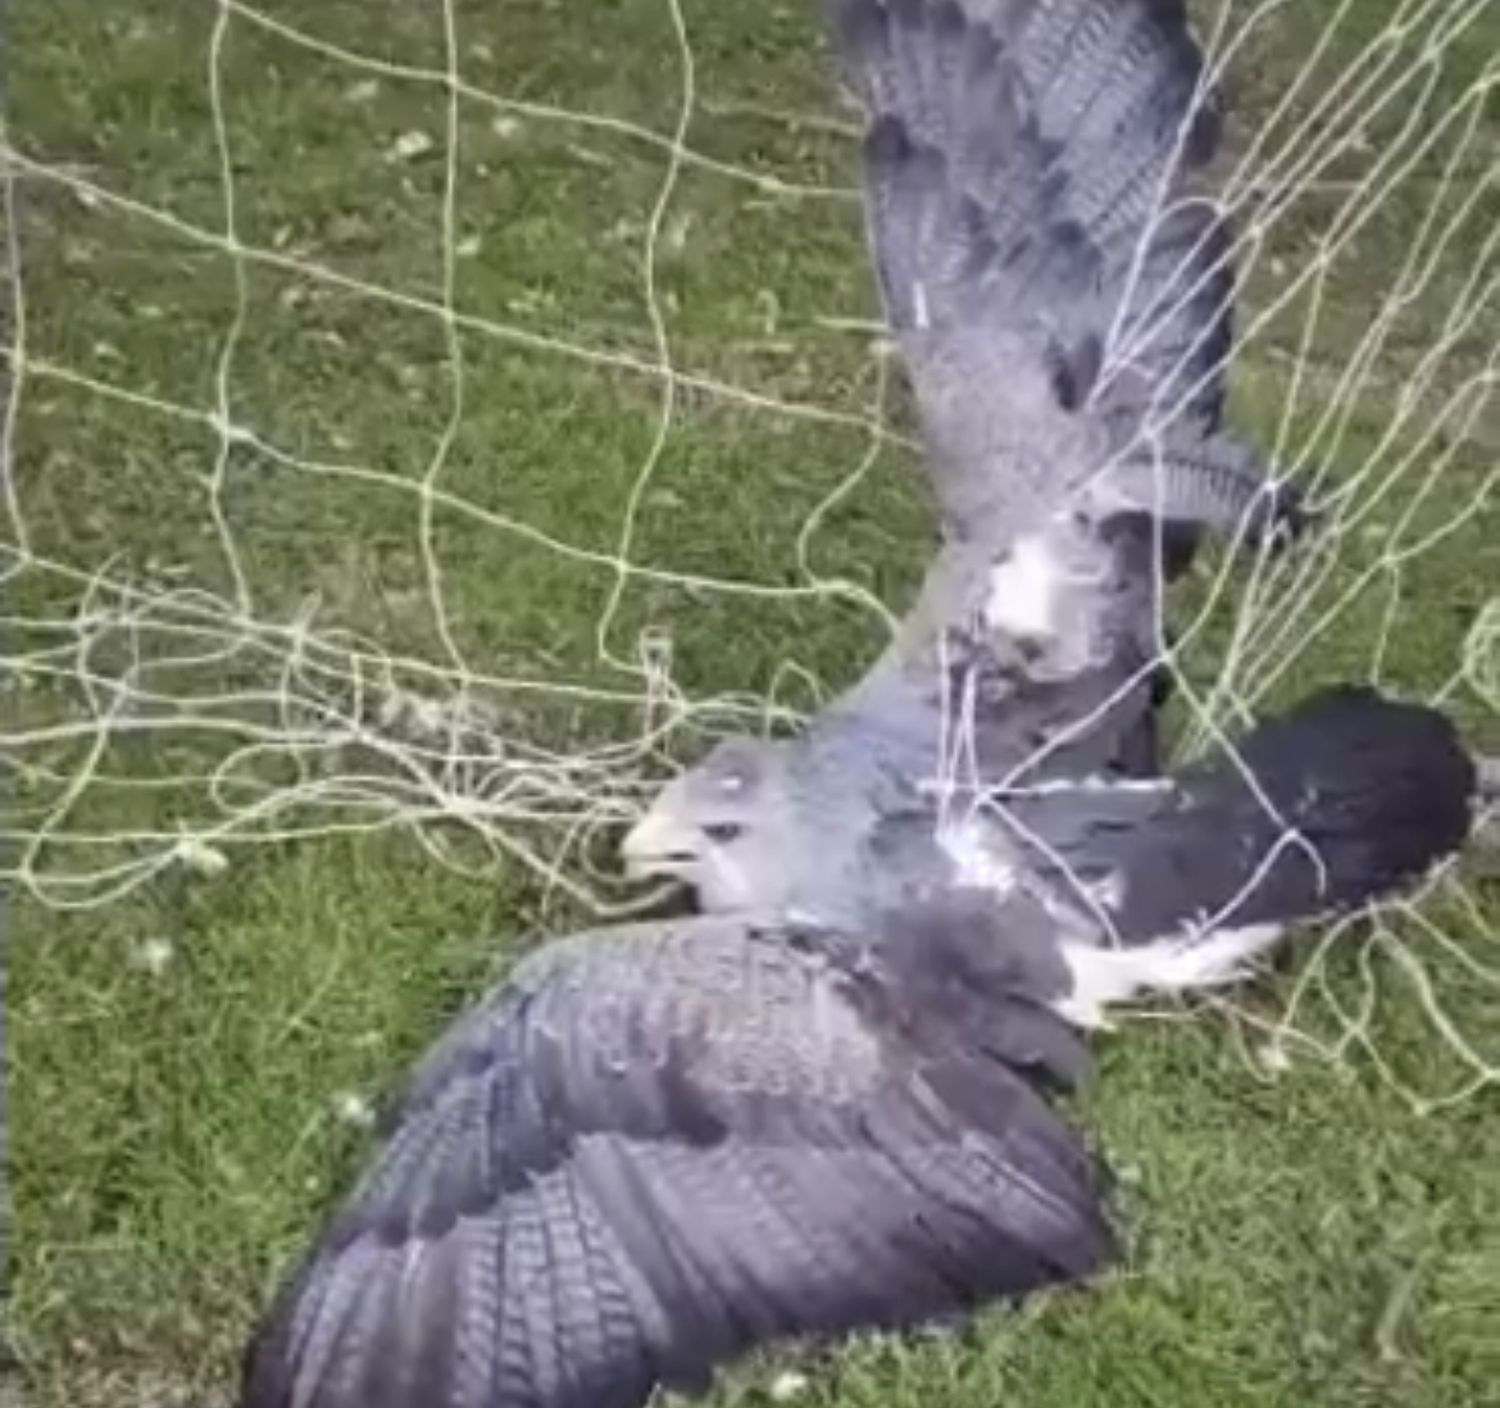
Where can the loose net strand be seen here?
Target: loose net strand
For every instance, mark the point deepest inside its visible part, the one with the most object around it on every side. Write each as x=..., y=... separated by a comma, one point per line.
x=289, y=720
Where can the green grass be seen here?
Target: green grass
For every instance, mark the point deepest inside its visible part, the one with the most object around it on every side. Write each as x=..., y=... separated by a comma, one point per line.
x=175, y=1134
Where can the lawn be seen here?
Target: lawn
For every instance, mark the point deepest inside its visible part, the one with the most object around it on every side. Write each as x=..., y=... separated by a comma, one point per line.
x=337, y=384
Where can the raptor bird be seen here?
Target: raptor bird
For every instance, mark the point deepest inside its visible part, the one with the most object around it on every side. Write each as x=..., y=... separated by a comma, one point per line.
x=825, y=1105
x=1171, y=883
x=658, y=1145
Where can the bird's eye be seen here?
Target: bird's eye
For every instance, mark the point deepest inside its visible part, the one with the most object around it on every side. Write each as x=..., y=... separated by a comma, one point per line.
x=721, y=832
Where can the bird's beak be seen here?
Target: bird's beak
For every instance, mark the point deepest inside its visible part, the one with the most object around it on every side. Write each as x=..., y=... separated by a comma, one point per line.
x=658, y=845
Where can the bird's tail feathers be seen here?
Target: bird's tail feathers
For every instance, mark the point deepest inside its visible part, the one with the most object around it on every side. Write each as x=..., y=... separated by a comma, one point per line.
x=1348, y=797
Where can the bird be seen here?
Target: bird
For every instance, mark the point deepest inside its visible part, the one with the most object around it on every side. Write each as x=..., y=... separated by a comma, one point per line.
x=658, y=1145
x=829, y=1101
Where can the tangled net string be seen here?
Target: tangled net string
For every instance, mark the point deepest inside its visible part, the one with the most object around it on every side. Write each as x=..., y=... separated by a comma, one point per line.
x=176, y=691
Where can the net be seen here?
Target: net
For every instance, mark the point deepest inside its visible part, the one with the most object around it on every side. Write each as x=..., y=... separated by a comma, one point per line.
x=416, y=438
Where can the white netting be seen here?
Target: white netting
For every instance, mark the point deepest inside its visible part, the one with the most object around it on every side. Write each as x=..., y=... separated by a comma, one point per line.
x=413, y=448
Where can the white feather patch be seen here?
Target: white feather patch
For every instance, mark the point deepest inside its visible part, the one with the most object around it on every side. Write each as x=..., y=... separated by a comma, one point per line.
x=1024, y=590
x=1093, y=782
x=1102, y=976
x=1108, y=892
x=920, y=315
x=980, y=862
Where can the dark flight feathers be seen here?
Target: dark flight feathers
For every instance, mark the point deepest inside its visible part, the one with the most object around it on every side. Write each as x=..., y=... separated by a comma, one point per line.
x=1063, y=302
x=659, y=1145
x=1026, y=167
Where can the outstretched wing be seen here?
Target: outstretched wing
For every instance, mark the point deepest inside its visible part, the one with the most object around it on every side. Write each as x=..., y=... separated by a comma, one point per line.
x=655, y=1147
x=1055, y=290
x=1035, y=247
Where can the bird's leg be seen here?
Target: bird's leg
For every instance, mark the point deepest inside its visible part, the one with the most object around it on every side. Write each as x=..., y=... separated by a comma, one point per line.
x=1087, y=1012
x=1100, y=977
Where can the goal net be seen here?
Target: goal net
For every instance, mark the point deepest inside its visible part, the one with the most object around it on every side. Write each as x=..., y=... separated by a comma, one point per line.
x=404, y=434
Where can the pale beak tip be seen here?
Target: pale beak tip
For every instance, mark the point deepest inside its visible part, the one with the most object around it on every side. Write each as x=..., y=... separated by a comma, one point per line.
x=650, y=846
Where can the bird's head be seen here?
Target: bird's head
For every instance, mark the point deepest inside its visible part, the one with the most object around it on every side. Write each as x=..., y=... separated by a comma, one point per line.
x=724, y=826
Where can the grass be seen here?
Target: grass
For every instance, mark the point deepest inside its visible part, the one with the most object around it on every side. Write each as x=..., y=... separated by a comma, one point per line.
x=175, y=1129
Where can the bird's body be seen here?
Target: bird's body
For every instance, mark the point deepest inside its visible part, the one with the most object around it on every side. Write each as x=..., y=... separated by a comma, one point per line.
x=1343, y=800
x=1045, y=668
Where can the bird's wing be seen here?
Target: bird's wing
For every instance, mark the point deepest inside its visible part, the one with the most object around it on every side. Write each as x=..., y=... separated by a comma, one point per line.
x=656, y=1146
x=1040, y=259
x=1343, y=800
x=1055, y=290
